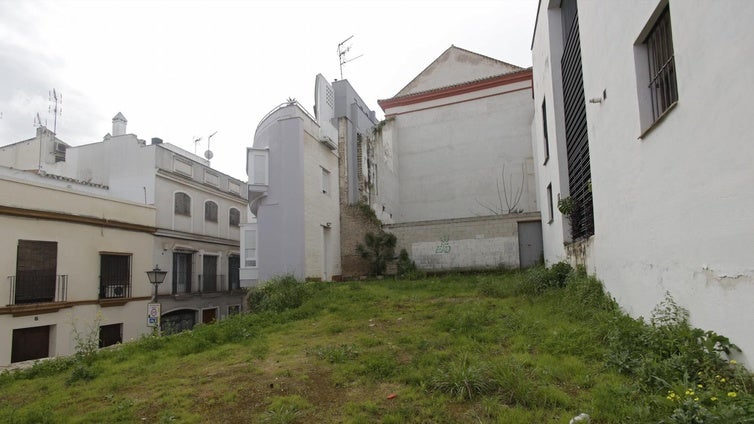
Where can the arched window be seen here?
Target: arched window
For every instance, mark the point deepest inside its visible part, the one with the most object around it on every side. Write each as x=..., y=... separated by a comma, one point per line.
x=234, y=217
x=210, y=211
x=182, y=204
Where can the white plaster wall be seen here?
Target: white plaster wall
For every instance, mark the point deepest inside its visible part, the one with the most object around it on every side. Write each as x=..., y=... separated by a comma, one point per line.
x=79, y=248
x=450, y=157
x=319, y=209
x=280, y=216
x=673, y=209
x=547, y=79
x=386, y=202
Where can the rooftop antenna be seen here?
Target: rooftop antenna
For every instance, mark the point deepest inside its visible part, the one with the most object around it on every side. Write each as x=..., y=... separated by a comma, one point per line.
x=342, y=54
x=196, y=142
x=56, y=100
x=38, y=121
x=208, y=154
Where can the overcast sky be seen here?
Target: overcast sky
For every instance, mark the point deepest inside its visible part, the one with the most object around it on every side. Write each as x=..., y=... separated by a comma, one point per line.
x=185, y=69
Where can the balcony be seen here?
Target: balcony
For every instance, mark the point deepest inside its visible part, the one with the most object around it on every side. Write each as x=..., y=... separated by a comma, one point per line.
x=115, y=289
x=37, y=287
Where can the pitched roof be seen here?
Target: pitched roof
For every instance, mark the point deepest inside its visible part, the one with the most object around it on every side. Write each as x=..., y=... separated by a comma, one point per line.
x=120, y=117
x=456, y=66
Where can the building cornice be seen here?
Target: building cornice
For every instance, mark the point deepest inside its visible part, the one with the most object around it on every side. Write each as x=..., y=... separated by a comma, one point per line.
x=207, y=188
x=50, y=307
x=164, y=232
x=456, y=90
x=77, y=219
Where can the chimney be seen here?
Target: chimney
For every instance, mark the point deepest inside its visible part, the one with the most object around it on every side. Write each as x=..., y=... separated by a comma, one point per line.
x=156, y=140
x=119, y=125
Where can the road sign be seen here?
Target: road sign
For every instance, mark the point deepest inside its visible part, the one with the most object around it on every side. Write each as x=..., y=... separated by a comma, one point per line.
x=153, y=315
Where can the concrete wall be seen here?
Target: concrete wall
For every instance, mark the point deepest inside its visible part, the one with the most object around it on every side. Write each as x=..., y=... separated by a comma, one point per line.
x=465, y=243
x=451, y=153
x=78, y=257
x=672, y=207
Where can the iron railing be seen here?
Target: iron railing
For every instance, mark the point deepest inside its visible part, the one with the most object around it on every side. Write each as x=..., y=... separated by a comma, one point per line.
x=37, y=287
x=115, y=289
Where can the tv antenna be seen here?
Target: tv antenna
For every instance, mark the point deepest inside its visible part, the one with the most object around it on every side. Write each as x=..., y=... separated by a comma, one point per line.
x=196, y=142
x=208, y=154
x=342, y=54
x=56, y=100
x=38, y=121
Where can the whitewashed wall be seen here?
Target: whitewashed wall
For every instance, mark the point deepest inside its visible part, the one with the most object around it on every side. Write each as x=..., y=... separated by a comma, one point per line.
x=673, y=208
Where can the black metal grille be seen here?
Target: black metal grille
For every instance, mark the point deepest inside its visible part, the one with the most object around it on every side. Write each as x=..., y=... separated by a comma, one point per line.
x=37, y=287
x=577, y=140
x=115, y=276
x=662, y=83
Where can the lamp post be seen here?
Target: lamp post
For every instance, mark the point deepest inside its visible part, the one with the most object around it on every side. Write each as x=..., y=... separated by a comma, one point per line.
x=156, y=277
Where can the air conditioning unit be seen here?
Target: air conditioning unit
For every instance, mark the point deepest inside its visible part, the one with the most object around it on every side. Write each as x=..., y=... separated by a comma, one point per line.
x=115, y=291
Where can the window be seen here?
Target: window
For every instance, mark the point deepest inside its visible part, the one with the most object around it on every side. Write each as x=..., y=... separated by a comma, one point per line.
x=234, y=310
x=257, y=166
x=325, y=181
x=181, y=272
x=110, y=335
x=114, y=276
x=544, y=130
x=663, y=89
x=234, y=217
x=549, y=204
x=36, y=266
x=30, y=343
x=210, y=211
x=250, y=248
x=182, y=204
x=234, y=278
x=209, y=274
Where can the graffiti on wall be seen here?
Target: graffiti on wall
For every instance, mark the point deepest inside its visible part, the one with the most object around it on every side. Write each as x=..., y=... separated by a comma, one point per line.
x=444, y=246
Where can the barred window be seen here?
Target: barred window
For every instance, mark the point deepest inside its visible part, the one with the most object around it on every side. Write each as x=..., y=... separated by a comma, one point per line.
x=663, y=88
x=210, y=211
x=182, y=204
x=234, y=217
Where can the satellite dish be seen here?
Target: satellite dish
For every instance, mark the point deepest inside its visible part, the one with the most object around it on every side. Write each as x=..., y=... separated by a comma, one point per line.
x=208, y=154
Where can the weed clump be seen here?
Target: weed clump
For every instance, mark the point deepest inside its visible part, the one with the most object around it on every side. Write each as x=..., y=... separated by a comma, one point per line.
x=279, y=294
x=463, y=378
x=537, y=280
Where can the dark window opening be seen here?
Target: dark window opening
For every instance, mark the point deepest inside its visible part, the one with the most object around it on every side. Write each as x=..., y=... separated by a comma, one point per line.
x=110, y=335
x=663, y=88
x=544, y=130
x=181, y=273
x=36, y=267
x=210, y=211
x=30, y=343
x=234, y=217
x=182, y=204
x=115, y=276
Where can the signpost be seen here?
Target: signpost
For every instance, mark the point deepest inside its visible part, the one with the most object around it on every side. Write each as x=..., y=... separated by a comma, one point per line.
x=153, y=315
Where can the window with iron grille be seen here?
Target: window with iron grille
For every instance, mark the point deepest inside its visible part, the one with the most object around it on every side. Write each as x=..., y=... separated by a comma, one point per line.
x=210, y=211
x=115, y=276
x=36, y=266
x=234, y=217
x=663, y=88
x=182, y=204
x=549, y=204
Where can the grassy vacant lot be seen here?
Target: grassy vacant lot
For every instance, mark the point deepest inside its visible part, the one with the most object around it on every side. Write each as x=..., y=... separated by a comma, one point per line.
x=534, y=347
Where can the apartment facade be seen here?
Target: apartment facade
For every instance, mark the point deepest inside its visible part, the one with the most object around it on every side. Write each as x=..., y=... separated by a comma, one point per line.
x=199, y=211
x=74, y=263
x=638, y=123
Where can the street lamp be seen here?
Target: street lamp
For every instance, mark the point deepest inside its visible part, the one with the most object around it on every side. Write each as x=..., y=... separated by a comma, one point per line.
x=156, y=277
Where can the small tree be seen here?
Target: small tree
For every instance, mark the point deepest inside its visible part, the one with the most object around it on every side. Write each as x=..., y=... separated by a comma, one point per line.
x=378, y=248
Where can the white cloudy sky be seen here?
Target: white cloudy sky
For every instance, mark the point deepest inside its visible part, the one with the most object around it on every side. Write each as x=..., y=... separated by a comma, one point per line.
x=184, y=69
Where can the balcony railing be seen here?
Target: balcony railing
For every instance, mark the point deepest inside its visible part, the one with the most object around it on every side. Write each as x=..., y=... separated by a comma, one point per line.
x=114, y=289
x=37, y=287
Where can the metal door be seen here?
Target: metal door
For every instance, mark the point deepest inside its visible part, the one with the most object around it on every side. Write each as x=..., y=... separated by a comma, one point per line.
x=530, y=249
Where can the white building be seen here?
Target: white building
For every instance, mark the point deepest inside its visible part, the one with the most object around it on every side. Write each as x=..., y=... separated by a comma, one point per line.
x=198, y=212
x=459, y=139
x=293, y=192
x=641, y=120
x=74, y=259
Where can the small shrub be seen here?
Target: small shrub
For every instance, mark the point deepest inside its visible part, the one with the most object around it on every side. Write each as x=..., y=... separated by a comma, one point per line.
x=405, y=264
x=378, y=248
x=81, y=372
x=277, y=295
x=537, y=280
